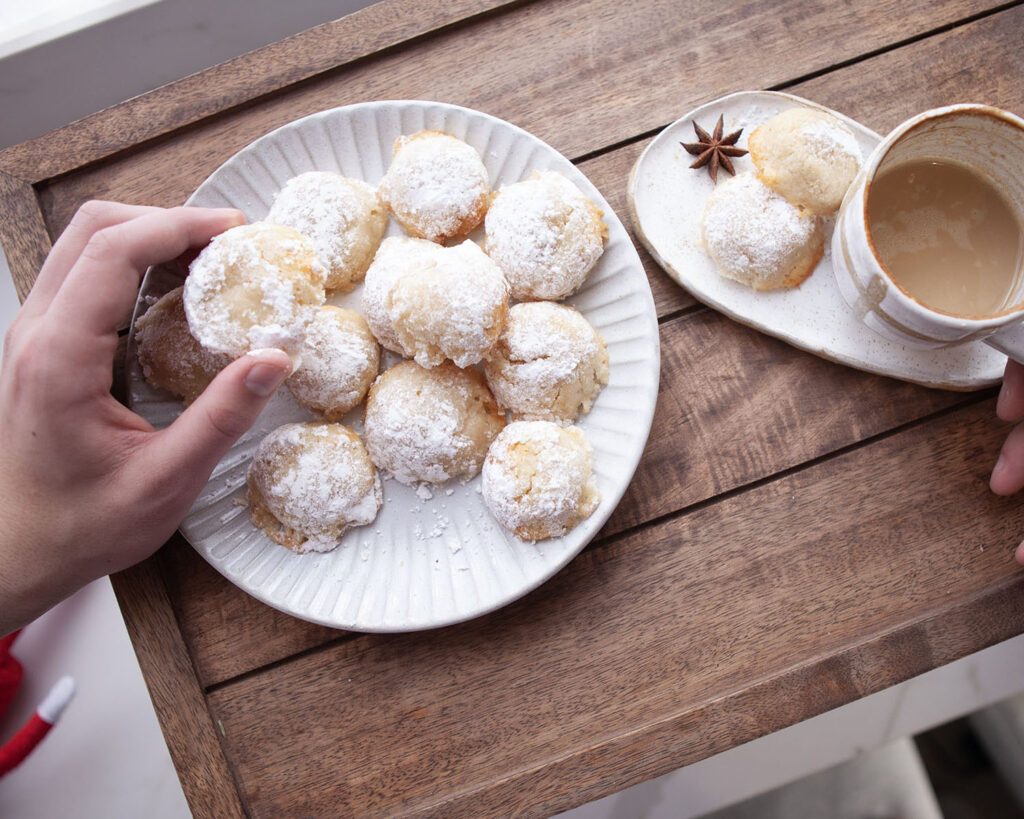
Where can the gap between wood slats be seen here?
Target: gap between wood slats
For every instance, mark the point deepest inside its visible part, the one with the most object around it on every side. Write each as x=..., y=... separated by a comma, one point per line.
x=970, y=399
x=682, y=311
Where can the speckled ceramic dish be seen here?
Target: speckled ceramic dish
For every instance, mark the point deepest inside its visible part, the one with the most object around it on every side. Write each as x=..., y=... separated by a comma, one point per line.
x=432, y=558
x=666, y=202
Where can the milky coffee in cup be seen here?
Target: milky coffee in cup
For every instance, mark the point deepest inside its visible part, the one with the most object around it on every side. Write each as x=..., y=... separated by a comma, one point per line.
x=928, y=247
x=946, y=235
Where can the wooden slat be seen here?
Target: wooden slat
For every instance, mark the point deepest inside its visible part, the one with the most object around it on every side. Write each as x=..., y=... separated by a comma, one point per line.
x=22, y=232
x=177, y=698
x=770, y=586
x=635, y=72
x=263, y=71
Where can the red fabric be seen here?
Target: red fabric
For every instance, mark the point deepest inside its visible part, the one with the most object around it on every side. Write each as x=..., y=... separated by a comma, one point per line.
x=32, y=732
x=11, y=672
x=22, y=743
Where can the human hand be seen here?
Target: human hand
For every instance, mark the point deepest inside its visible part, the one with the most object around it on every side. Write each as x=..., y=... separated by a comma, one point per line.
x=1008, y=474
x=86, y=486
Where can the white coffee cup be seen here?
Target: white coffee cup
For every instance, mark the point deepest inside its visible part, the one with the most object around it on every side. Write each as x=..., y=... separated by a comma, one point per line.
x=986, y=141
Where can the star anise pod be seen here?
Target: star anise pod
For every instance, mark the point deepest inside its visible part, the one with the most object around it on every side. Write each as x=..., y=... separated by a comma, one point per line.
x=714, y=149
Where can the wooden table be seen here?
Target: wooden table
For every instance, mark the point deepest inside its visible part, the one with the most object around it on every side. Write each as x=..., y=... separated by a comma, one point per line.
x=797, y=535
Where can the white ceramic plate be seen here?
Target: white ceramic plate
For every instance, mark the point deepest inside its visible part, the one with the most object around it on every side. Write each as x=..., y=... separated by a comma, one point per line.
x=425, y=562
x=666, y=202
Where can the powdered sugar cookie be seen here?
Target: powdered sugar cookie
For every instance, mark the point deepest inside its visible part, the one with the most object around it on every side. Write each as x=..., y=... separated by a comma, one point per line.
x=343, y=218
x=430, y=425
x=436, y=186
x=545, y=235
x=538, y=479
x=253, y=286
x=171, y=358
x=308, y=483
x=757, y=237
x=808, y=156
x=397, y=256
x=549, y=363
x=452, y=307
x=340, y=359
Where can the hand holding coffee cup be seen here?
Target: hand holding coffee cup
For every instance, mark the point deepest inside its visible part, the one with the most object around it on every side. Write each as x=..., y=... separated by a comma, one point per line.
x=928, y=247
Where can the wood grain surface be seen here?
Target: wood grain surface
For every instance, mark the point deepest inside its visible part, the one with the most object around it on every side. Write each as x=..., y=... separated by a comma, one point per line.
x=608, y=172
x=227, y=632
x=646, y=627
x=797, y=535
x=23, y=233
x=635, y=72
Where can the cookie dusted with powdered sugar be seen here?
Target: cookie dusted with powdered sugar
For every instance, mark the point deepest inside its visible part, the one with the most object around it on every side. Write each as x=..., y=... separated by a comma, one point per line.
x=436, y=187
x=435, y=303
x=538, y=479
x=343, y=218
x=549, y=363
x=254, y=286
x=545, y=235
x=340, y=359
x=758, y=238
x=309, y=483
x=170, y=357
x=430, y=425
x=452, y=309
x=810, y=157
x=397, y=256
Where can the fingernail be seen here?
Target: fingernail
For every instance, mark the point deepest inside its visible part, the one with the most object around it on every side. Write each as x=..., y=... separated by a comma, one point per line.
x=268, y=373
x=1000, y=463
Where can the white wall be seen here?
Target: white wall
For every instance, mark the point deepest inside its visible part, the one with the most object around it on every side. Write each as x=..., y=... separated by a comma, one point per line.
x=67, y=79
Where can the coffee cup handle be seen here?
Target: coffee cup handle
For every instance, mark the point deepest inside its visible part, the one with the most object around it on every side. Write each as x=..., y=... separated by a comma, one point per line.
x=1009, y=340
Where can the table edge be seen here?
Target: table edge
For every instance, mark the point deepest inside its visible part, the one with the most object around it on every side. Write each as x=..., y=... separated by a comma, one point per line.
x=206, y=776
x=23, y=235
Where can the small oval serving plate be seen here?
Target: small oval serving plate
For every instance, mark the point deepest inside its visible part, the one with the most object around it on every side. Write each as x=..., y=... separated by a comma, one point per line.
x=666, y=203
